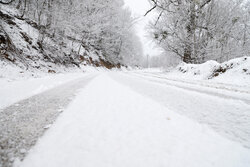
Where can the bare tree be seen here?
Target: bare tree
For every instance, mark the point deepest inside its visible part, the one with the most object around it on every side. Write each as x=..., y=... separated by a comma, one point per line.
x=199, y=30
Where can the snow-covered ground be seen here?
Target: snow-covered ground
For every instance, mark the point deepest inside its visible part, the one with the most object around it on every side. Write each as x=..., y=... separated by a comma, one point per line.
x=17, y=84
x=139, y=117
x=227, y=113
x=22, y=123
x=234, y=72
x=13, y=91
x=188, y=83
x=109, y=124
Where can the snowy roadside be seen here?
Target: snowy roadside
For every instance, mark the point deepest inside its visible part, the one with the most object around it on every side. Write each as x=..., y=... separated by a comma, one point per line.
x=234, y=73
x=13, y=91
x=24, y=122
x=113, y=126
x=229, y=79
x=16, y=84
x=228, y=91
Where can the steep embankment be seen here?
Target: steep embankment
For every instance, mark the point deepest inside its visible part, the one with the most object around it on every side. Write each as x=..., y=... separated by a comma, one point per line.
x=25, y=44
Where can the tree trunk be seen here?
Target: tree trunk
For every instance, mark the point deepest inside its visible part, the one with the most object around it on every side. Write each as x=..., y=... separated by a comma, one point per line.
x=24, y=9
x=187, y=54
x=188, y=50
x=19, y=4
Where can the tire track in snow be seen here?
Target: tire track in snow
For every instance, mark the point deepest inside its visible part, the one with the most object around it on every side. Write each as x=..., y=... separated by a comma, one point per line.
x=212, y=89
x=22, y=123
x=227, y=116
x=111, y=125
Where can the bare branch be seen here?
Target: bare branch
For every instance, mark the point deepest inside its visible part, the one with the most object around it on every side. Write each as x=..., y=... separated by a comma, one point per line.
x=158, y=18
x=205, y=3
x=150, y=10
x=6, y=3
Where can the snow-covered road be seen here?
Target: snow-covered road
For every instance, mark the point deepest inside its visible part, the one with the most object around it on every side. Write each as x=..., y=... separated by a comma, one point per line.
x=124, y=120
x=216, y=105
x=22, y=123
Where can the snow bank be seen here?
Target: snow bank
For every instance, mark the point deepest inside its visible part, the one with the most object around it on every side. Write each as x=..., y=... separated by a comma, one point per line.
x=235, y=71
x=203, y=71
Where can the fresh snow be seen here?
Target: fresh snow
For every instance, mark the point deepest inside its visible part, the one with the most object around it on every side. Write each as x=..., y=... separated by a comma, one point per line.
x=17, y=84
x=12, y=91
x=238, y=72
x=226, y=111
x=146, y=117
x=110, y=125
x=23, y=123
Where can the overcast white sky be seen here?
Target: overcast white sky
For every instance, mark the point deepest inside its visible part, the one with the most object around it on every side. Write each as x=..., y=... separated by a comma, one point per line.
x=139, y=8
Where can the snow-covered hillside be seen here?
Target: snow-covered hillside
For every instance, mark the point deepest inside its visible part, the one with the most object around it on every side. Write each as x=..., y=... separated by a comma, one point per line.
x=28, y=46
